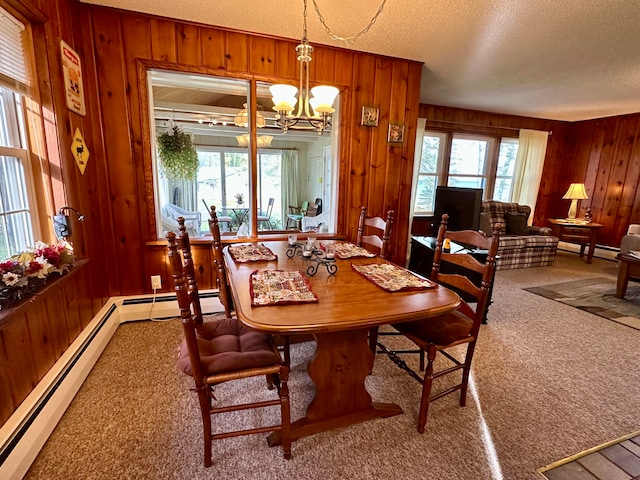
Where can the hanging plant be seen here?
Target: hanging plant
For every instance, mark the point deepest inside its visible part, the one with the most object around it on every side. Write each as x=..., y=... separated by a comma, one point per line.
x=178, y=157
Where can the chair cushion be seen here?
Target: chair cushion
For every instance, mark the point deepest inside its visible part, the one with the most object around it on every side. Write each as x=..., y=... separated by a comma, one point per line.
x=442, y=330
x=225, y=345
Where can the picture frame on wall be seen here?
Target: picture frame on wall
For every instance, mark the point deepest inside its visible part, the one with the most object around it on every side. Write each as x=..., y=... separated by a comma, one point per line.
x=396, y=133
x=370, y=116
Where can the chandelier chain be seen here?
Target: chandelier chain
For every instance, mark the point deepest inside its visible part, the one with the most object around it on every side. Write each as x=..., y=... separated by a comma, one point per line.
x=347, y=40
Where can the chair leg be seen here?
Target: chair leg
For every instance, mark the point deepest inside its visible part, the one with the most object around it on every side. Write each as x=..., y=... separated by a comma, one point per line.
x=426, y=389
x=465, y=373
x=205, y=409
x=422, y=360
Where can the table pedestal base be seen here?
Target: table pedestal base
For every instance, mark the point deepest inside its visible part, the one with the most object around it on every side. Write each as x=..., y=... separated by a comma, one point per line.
x=339, y=368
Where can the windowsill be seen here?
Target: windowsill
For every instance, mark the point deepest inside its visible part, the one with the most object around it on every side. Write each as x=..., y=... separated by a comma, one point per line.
x=262, y=237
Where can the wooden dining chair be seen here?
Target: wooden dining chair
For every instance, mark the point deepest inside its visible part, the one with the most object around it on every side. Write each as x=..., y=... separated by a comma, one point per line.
x=222, y=282
x=266, y=216
x=375, y=232
x=220, y=349
x=439, y=334
x=294, y=217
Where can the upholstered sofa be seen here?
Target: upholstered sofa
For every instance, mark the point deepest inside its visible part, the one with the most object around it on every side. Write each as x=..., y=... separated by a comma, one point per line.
x=521, y=245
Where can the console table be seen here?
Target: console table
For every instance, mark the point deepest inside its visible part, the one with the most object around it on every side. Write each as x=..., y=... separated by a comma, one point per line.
x=421, y=261
x=579, y=232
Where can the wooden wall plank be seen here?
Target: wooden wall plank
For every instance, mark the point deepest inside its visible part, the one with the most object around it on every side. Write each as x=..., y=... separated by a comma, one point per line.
x=262, y=54
x=123, y=187
x=189, y=44
x=163, y=40
x=237, y=47
x=213, y=48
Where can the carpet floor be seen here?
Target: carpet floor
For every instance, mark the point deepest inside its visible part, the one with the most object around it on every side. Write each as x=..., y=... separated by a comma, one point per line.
x=597, y=296
x=548, y=381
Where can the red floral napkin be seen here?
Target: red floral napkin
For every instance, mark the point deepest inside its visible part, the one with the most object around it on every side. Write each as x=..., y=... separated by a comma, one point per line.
x=349, y=250
x=278, y=287
x=392, y=278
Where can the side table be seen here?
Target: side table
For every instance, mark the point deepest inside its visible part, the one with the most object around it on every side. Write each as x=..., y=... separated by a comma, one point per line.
x=625, y=261
x=578, y=232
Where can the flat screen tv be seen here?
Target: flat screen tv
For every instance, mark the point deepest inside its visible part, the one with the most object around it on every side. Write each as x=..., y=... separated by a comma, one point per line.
x=461, y=204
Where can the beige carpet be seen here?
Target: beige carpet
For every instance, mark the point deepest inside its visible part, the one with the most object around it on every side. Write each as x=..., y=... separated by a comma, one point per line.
x=549, y=381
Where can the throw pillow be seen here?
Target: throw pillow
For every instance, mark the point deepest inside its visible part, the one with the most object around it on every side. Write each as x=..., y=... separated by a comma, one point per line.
x=485, y=225
x=516, y=223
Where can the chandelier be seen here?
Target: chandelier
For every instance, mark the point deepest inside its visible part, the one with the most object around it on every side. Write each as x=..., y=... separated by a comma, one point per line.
x=321, y=101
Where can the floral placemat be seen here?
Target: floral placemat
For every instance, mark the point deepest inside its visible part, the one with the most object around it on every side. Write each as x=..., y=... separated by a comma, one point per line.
x=278, y=287
x=349, y=250
x=392, y=278
x=251, y=252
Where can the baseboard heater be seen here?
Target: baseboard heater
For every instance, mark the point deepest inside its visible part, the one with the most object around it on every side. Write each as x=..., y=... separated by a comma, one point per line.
x=27, y=430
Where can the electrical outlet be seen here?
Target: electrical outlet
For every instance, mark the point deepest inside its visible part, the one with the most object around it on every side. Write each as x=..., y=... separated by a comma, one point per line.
x=156, y=282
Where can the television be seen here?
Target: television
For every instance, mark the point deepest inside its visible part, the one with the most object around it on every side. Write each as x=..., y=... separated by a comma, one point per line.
x=461, y=204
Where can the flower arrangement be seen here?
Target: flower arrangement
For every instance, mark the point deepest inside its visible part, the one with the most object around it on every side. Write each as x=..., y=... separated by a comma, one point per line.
x=25, y=273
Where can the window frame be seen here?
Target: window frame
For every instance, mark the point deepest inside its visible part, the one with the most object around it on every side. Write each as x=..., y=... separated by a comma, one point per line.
x=443, y=174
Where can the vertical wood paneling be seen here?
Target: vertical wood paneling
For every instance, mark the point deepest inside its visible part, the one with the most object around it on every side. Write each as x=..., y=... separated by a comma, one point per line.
x=237, y=52
x=357, y=193
x=262, y=53
x=189, y=45
x=213, y=48
x=34, y=334
x=286, y=65
x=123, y=188
x=163, y=40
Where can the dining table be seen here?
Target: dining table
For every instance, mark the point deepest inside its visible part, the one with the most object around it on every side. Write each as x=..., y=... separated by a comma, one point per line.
x=342, y=307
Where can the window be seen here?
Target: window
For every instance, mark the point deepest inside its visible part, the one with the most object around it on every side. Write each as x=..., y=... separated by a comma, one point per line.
x=16, y=188
x=474, y=161
x=17, y=225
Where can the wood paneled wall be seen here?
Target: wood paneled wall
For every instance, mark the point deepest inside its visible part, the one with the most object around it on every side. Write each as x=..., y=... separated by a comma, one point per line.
x=113, y=44
x=604, y=154
x=34, y=334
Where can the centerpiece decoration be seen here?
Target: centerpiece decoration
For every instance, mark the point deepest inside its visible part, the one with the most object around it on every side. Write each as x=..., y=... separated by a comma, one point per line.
x=22, y=275
x=178, y=156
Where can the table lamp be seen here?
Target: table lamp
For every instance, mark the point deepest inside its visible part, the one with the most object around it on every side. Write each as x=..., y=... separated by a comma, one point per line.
x=576, y=192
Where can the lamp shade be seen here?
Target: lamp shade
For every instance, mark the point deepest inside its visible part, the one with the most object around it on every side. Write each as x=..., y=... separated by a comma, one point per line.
x=576, y=192
x=284, y=97
x=242, y=118
x=323, y=98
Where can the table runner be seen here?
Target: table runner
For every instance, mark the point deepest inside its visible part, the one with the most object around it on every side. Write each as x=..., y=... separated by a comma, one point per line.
x=251, y=252
x=278, y=287
x=392, y=278
x=349, y=250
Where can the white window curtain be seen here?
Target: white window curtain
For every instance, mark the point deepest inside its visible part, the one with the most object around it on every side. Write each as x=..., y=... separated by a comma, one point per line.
x=532, y=148
x=290, y=195
x=416, y=169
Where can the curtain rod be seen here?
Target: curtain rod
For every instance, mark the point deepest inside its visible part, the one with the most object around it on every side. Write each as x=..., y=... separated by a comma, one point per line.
x=479, y=125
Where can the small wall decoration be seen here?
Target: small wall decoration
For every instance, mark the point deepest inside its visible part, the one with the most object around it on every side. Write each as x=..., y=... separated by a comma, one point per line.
x=72, y=73
x=396, y=133
x=370, y=116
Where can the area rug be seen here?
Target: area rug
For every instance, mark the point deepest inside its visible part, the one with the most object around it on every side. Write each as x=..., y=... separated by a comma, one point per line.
x=597, y=296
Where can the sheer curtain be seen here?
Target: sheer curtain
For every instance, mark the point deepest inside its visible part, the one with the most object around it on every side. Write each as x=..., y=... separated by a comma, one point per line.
x=289, y=182
x=416, y=168
x=532, y=147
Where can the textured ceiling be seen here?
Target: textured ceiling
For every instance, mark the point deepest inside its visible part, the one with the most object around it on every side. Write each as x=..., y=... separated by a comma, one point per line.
x=555, y=59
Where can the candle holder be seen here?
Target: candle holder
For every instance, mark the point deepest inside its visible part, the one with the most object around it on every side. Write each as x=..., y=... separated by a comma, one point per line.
x=319, y=259
x=294, y=249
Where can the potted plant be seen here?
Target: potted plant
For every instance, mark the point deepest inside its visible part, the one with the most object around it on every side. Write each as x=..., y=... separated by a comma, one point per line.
x=178, y=156
x=240, y=199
